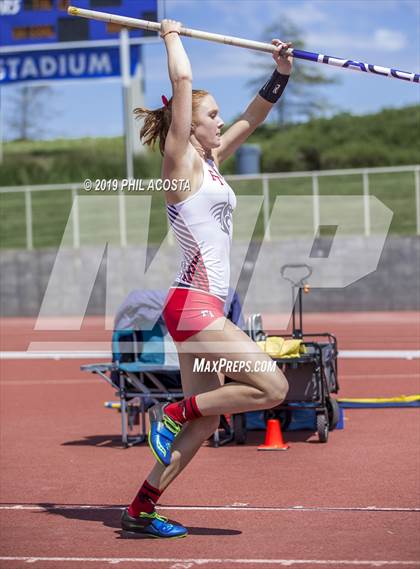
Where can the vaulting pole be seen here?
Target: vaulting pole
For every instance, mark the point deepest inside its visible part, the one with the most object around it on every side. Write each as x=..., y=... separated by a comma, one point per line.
x=250, y=44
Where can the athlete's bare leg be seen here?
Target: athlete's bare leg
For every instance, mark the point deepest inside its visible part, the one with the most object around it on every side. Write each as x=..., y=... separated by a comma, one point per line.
x=193, y=433
x=249, y=391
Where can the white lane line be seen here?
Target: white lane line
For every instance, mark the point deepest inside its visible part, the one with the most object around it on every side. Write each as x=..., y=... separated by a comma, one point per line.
x=198, y=562
x=382, y=354
x=87, y=381
x=105, y=355
x=56, y=355
x=244, y=508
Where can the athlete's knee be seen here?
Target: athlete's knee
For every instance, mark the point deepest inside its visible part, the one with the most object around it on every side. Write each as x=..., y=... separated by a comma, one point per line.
x=275, y=389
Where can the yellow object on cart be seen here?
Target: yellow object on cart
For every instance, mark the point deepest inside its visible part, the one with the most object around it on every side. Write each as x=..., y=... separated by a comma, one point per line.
x=278, y=347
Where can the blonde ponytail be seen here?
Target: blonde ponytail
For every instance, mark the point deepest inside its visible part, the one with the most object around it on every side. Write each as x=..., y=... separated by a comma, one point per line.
x=155, y=127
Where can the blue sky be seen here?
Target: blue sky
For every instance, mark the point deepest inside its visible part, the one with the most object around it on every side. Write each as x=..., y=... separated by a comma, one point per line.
x=382, y=32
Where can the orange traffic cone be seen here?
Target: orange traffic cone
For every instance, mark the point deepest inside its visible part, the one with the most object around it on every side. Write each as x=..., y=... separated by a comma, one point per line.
x=273, y=437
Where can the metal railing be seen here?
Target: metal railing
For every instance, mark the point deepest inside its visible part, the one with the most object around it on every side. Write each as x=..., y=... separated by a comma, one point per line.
x=263, y=179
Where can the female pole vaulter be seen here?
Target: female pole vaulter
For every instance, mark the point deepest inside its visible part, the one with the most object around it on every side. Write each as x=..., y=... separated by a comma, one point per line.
x=188, y=129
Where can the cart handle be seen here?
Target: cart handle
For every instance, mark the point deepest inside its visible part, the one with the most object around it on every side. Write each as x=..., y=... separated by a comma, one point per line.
x=296, y=266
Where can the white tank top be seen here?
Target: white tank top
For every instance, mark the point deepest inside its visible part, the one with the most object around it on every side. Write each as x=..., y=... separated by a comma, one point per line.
x=203, y=228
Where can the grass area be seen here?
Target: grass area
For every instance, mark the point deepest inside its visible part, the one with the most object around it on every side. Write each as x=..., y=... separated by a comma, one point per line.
x=71, y=160
x=51, y=209
x=386, y=138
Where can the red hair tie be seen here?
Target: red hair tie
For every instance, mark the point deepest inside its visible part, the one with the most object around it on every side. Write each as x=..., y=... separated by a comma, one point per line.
x=165, y=101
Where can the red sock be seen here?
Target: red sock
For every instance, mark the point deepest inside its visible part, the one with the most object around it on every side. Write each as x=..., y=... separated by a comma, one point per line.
x=145, y=500
x=183, y=411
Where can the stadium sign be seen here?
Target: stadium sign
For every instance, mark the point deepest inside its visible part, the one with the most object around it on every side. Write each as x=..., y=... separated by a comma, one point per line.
x=81, y=63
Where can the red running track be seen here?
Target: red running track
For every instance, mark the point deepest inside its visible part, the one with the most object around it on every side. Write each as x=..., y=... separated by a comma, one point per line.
x=355, y=330
x=352, y=502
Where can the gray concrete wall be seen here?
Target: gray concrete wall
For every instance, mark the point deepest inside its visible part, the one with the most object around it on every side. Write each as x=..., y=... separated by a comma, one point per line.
x=85, y=277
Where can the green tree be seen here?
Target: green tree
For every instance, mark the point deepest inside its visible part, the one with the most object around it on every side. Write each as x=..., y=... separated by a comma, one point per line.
x=301, y=100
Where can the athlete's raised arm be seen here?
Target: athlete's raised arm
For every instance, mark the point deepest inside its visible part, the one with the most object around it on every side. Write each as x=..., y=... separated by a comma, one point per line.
x=180, y=75
x=170, y=125
x=259, y=107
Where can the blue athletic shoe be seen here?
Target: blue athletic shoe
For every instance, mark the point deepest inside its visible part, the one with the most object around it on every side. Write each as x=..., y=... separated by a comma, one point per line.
x=150, y=525
x=163, y=431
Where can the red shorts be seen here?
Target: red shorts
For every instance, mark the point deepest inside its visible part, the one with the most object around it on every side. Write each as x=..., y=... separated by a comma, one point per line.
x=188, y=311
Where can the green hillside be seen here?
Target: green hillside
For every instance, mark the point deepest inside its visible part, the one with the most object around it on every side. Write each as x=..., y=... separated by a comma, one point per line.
x=388, y=138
